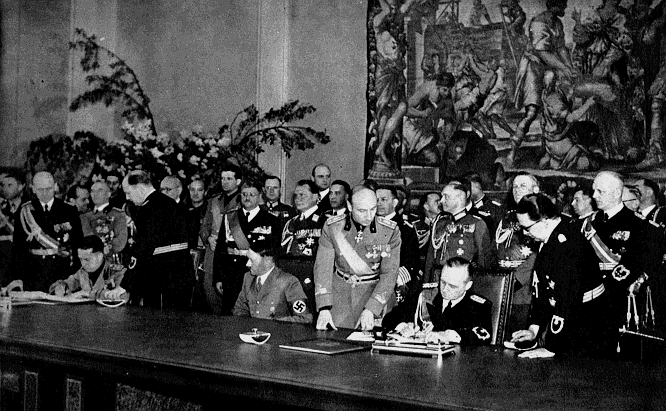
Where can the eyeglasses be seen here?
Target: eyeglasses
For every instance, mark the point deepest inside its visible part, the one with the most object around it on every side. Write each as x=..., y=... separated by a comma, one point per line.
x=528, y=228
x=629, y=201
x=252, y=195
x=167, y=189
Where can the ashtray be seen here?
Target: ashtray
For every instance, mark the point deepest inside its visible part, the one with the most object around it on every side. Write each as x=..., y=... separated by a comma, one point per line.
x=111, y=303
x=255, y=337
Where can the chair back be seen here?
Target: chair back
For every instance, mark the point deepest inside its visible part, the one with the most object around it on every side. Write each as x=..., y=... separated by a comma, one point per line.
x=498, y=288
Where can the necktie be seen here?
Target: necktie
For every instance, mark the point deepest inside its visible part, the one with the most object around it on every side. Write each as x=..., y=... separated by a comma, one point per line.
x=46, y=209
x=257, y=284
x=448, y=307
x=302, y=217
x=247, y=215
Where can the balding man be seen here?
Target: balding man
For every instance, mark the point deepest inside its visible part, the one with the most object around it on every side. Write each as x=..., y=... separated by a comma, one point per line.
x=356, y=266
x=163, y=277
x=618, y=238
x=106, y=222
x=455, y=233
x=45, y=237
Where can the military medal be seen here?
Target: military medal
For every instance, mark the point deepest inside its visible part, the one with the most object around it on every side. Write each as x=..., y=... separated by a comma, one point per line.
x=359, y=237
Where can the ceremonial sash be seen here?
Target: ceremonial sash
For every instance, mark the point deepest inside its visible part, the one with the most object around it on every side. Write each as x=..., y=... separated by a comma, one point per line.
x=603, y=252
x=217, y=216
x=355, y=262
x=34, y=231
x=236, y=231
x=287, y=236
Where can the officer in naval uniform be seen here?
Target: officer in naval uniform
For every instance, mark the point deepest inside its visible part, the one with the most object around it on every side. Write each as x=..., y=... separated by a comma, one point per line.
x=44, y=242
x=455, y=313
x=570, y=311
x=300, y=238
x=356, y=266
x=269, y=292
x=106, y=222
x=243, y=228
x=460, y=235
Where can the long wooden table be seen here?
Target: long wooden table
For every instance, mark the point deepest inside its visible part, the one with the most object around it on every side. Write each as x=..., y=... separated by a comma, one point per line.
x=92, y=357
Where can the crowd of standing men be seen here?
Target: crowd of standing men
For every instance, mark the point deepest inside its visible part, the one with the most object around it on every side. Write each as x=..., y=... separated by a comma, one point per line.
x=343, y=257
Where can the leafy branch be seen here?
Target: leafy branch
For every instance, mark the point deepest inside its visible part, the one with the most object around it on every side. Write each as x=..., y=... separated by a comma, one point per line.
x=121, y=86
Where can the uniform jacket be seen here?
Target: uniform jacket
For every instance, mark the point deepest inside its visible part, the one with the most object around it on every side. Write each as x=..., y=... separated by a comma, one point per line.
x=377, y=246
x=466, y=237
x=160, y=223
x=409, y=254
x=224, y=204
x=324, y=204
x=281, y=211
x=263, y=229
x=565, y=268
x=110, y=225
x=470, y=318
x=492, y=207
x=110, y=278
x=280, y=298
x=62, y=224
x=301, y=237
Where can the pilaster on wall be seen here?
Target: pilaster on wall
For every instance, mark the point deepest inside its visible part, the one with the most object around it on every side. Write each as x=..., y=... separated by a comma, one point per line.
x=272, y=70
x=98, y=17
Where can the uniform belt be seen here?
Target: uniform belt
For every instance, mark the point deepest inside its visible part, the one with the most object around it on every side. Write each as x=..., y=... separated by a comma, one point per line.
x=236, y=251
x=6, y=238
x=354, y=279
x=170, y=248
x=594, y=293
x=44, y=251
x=607, y=266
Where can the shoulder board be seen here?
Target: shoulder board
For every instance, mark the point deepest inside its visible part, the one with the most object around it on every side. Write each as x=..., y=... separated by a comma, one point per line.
x=315, y=217
x=654, y=223
x=484, y=213
x=335, y=219
x=497, y=203
x=408, y=224
x=386, y=222
x=477, y=298
x=26, y=203
x=120, y=210
x=475, y=216
x=566, y=215
x=237, y=208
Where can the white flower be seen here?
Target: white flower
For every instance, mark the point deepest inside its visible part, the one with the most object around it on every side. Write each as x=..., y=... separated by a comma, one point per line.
x=561, y=238
x=184, y=134
x=198, y=129
x=156, y=152
x=194, y=160
x=168, y=170
x=163, y=138
x=180, y=156
x=181, y=174
x=138, y=147
x=199, y=142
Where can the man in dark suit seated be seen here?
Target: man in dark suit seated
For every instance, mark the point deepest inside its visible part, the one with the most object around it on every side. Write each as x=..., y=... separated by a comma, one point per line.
x=269, y=292
x=451, y=312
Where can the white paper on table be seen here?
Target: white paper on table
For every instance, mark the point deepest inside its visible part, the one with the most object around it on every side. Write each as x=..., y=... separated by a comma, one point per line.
x=366, y=336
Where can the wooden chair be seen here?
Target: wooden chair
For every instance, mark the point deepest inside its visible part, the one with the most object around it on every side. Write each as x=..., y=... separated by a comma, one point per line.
x=498, y=288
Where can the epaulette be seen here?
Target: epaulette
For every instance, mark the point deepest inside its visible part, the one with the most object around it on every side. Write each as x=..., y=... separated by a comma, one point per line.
x=566, y=215
x=477, y=298
x=386, y=222
x=475, y=216
x=497, y=203
x=484, y=213
x=335, y=219
x=408, y=224
x=120, y=210
x=237, y=208
x=654, y=223
x=26, y=203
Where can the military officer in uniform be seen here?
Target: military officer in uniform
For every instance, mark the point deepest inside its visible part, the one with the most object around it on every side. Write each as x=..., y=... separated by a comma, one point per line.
x=457, y=315
x=230, y=179
x=649, y=204
x=430, y=207
x=356, y=266
x=618, y=237
x=163, y=277
x=46, y=231
x=269, y=292
x=242, y=228
x=300, y=238
x=570, y=311
x=457, y=234
x=409, y=273
x=321, y=175
x=11, y=191
x=482, y=203
x=96, y=278
x=516, y=251
x=272, y=192
x=106, y=222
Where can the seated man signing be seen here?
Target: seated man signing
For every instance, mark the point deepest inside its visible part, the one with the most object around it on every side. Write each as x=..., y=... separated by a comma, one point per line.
x=450, y=314
x=96, y=278
x=269, y=292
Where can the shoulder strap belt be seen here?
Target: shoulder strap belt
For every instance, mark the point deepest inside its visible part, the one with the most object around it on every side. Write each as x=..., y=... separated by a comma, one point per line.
x=237, y=232
x=603, y=252
x=356, y=263
x=34, y=231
